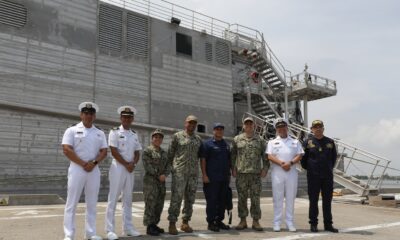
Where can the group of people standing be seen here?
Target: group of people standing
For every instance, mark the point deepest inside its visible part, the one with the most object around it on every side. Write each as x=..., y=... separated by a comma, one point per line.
x=247, y=159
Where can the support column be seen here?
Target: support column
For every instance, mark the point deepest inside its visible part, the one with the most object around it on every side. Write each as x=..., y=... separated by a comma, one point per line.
x=249, y=99
x=286, y=103
x=305, y=111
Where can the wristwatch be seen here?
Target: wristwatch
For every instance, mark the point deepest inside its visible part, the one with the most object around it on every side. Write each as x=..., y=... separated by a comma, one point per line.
x=291, y=163
x=95, y=162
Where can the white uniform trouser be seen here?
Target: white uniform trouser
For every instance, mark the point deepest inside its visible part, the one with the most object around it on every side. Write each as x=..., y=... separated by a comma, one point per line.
x=120, y=181
x=78, y=179
x=284, y=186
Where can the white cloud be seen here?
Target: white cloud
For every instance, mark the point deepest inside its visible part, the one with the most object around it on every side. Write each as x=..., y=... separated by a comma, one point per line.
x=386, y=132
x=382, y=138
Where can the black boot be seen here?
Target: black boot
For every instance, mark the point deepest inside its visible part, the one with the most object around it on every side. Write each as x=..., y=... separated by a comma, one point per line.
x=213, y=227
x=152, y=230
x=160, y=230
x=313, y=228
x=330, y=228
x=223, y=226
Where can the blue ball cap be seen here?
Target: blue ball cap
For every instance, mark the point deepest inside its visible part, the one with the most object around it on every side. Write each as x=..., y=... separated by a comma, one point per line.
x=219, y=125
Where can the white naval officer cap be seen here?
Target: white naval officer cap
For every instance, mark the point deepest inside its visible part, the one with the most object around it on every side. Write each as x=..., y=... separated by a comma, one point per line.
x=127, y=111
x=280, y=122
x=88, y=107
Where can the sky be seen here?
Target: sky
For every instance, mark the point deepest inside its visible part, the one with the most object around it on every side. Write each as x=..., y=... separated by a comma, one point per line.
x=354, y=42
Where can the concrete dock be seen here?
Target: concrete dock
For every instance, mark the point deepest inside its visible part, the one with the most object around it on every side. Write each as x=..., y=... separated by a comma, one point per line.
x=355, y=221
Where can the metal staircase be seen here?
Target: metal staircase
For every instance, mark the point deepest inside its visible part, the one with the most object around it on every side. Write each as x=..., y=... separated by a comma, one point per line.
x=250, y=44
x=351, y=160
x=268, y=84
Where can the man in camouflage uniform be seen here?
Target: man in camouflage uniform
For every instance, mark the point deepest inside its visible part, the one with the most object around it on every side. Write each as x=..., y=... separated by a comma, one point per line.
x=155, y=162
x=249, y=165
x=183, y=155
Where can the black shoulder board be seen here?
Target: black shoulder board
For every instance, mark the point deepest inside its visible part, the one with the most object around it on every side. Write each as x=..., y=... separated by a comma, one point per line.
x=73, y=125
x=98, y=128
x=133, y=130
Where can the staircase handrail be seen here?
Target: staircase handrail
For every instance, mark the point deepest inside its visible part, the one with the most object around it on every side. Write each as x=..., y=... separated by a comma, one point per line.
x=262, y=46
x=343, y=144
x=375, y=160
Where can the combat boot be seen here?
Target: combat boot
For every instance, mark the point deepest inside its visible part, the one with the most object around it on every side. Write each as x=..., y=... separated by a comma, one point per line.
x=152, y=230
x=185, y=226
x=161, y=230
x=242, y=225
x=256, y=225
x=172, y=228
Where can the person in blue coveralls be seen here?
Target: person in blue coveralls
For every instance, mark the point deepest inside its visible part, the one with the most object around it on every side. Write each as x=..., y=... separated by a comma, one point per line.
x=215, y=167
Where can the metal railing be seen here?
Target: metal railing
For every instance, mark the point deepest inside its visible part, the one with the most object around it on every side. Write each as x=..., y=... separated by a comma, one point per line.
x=306, y=79
x=164, y=10
x=351, y=159
x=235, y=33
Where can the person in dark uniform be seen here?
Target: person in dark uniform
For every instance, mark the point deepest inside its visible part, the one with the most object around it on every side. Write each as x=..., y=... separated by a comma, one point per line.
x=319, y=160
x=215, y=167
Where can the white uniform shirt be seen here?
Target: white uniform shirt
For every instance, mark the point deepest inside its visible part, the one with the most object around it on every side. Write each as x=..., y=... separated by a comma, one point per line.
x=284, y=149
x=86, y=142
x=126, y=141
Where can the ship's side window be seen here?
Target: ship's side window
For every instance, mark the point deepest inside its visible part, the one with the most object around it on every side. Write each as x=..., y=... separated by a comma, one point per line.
x=201, y=128
x=183, y=44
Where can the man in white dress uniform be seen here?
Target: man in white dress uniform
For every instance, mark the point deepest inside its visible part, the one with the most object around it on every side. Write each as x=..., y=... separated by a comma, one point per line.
x=125, y=149
x=284, y=152
x=85, y=146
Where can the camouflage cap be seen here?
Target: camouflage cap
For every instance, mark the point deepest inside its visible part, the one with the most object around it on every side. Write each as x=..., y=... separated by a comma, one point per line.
x=191, y=118
x=157, y=131
x=248, y=119
x=316, y=123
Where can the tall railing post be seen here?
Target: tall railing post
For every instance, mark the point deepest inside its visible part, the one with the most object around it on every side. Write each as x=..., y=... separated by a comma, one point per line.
x=212, y=26
x=351, y=159
x=341, y=158
x=379, y=183
x=193, y=20
x=372, y=174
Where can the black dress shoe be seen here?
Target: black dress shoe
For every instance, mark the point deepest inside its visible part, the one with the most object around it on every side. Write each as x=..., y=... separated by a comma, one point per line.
x=313, y=228
x=213, y=227
x=152, y=230
x=223, y=226
x=330, y=228
x=160, y=230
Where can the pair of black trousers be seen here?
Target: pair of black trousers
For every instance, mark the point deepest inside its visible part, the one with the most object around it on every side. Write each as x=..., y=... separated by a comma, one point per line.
x=216, y=194
x=317, y=184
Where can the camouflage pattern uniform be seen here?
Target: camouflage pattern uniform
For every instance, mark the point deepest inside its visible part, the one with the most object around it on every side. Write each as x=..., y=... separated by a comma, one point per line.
x=155, y=163
x=183, y=155
x=248, y=157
